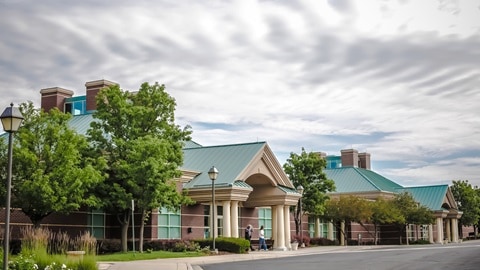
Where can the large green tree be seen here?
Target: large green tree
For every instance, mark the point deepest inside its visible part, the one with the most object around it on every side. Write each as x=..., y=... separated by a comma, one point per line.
x=384, y=212
x=137, y=135
x=347, y=209
x=468, y=201
x=306, y=169
x=412, y=211
x=52, y=169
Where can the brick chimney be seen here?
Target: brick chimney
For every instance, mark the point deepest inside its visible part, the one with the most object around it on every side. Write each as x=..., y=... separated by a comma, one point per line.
x=364, y=160
x=54, y=97
x=93, y=88
x=349, y=157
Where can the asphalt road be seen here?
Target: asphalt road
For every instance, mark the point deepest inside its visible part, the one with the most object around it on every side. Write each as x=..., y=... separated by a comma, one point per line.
x=458, y=257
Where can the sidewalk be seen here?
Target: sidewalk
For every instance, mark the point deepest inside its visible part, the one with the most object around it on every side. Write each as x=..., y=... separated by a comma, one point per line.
x=186, y=263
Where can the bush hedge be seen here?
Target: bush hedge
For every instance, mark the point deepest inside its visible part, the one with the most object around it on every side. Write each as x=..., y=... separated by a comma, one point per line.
x=228, y=244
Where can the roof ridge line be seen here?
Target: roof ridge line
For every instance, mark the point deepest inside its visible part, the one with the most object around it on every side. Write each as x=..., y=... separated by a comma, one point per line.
x=366, y=178
x=224, y=145
x=428, y=186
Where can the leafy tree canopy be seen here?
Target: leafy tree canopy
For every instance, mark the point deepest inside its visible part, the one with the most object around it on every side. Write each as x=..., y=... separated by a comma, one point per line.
x=306, y=169
x=468, y=201
x=52, y=170
x=137, y=135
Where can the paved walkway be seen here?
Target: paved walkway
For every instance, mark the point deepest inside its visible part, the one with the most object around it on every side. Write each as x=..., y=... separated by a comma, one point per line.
x=186, y=263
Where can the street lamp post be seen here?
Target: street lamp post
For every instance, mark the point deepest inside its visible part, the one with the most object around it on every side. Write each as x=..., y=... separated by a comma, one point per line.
x=11, y=121
x=213, y=173
x=300, y=190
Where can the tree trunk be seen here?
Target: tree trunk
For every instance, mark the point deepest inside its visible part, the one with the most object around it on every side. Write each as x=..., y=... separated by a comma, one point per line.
x=297, y=218
x=406, y=234
x=142, y=229
x=460, y=230
x=124, y=220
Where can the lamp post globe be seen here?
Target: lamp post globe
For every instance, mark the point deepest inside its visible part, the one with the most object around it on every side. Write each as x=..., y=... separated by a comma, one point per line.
x=212, y=174
x=11, y=120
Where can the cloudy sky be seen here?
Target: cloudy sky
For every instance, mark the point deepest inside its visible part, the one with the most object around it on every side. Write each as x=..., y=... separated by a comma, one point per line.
x=397, y=79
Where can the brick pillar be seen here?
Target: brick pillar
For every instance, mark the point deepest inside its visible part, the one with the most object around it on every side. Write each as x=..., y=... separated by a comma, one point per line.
x=349, y=157
x=93, y=88
x=54, y=97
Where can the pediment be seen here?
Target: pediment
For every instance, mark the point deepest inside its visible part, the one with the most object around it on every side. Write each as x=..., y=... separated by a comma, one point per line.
x=266, y=163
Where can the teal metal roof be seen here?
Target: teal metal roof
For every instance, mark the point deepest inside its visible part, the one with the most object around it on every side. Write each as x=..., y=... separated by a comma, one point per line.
x=230, y=161
x=77, y=98
x=81, y=123
x=191, y=144
x=353, y=179
x=242, y=184
x=429, y=196
x=288, y=190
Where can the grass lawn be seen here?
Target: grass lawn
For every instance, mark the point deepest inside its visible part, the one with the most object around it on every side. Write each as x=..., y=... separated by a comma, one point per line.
x=130, y=256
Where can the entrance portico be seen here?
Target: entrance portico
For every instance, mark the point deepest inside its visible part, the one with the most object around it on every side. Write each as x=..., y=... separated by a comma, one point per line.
x=258, y=182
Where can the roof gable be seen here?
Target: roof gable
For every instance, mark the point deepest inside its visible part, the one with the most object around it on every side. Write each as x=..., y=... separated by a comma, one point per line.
x=230, y=160
x=432, y=197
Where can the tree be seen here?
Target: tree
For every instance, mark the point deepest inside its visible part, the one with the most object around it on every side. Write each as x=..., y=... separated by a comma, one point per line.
x=137, y=135
x=347, y=209
x=53, y=172
x=384, y=212
x=468, y=201
x=412, y=211
x=306, y=169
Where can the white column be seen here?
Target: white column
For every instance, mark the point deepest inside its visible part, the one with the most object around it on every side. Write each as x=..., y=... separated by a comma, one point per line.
x=226, y=219
x=439, y=230
x=280, y=240
x=430, y=233
x=234, y=220
x=317, y=227
x=454, y=230
x=274, y=225
x=330, y=231
x=449, y=230
x=286, y=217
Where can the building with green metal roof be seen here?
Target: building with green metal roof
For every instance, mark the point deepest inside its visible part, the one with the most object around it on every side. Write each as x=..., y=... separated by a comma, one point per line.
x=352, y=175
x=251, y=187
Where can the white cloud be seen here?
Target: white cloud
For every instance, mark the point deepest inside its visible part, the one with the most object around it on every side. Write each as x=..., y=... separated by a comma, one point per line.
x=399, y=79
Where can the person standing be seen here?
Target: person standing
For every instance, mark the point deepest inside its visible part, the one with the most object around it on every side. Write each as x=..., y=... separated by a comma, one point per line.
x=261, y=239
x=248, y=235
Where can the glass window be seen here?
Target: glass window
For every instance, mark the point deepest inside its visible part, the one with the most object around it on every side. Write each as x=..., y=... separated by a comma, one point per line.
x=311, y=227
x=424, y=232
x=75, y=107
x=206, y=220
x=96, y=223
x=265, y=219
x=411, y=232
x=169, y=224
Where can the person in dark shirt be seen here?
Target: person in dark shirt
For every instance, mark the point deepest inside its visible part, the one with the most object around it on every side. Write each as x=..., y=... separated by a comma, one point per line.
x=248, y=235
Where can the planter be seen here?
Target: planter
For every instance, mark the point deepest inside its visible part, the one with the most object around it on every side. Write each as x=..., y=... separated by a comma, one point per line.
x=75, y=254
x=294, y=245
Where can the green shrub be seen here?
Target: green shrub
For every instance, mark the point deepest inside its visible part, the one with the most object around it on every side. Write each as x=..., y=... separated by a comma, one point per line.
x=161, y=244
x=23, y=262
x=320, y=241
x=419, y=242
x=109, y=246
x=186, y=245
x=228, y=244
